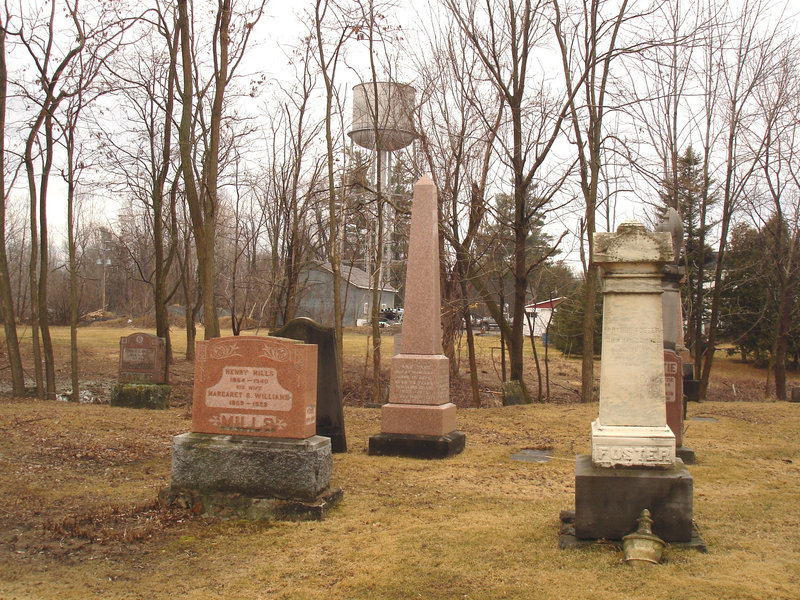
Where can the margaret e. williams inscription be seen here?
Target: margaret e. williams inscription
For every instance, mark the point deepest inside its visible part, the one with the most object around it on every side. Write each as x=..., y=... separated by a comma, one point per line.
x=258, y=386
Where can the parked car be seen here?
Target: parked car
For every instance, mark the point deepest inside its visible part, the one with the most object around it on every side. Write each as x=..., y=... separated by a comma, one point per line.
x=486, y=324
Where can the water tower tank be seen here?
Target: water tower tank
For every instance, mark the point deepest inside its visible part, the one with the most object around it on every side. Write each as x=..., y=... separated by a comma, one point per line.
x=395, y=105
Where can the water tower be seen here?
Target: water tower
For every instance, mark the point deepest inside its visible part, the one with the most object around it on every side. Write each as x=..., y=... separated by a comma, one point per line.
x=383, y=122
x=392, y=113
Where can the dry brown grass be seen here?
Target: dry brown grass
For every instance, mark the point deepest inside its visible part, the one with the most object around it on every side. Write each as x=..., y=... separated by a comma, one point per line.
x=78, y=517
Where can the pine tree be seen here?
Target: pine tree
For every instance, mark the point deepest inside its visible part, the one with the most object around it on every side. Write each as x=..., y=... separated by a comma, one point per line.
x=685, y=195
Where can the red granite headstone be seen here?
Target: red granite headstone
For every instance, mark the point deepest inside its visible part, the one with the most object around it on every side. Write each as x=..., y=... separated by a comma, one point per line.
x=142, y=359
x=673, y=379
x=257, y=386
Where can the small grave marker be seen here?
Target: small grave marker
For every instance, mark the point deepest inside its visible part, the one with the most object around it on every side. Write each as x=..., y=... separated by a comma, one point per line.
x=143, y=373
x=142, y=359
x=330, y=413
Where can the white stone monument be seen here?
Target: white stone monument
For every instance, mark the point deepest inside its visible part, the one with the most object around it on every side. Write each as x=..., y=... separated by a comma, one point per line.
x=631, y=429
x=633, y=465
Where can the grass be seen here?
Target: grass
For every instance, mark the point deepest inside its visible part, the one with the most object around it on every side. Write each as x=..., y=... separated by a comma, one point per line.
x=79, y=518
x=478, y=525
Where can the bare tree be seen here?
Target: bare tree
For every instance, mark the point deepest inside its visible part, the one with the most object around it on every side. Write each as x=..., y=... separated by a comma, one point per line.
x=202, y=190
x=503, y=36
x=458, y=148
x=742, y=54
x=6, y=298
x=590, y=37
x=38, y=37
x=779, y=219
x=328, y=55
x=144, y=160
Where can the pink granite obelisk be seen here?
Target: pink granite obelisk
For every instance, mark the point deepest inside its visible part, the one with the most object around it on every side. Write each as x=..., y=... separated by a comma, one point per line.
x=419, y=419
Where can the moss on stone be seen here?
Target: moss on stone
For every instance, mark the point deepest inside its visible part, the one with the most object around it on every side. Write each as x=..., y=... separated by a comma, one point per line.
x=140, y=395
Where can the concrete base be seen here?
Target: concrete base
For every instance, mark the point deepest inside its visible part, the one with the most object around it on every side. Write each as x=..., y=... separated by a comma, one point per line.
x=255, y=467
x=608, y=501
x=512, y=393
x=568, y=541
x=417, y=446
x=140, y=395
x=686, y=455
x=236, y=506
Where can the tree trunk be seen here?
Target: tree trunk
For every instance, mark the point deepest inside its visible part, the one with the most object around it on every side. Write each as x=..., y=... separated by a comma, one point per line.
x=333, y=218
x=33, y=269
x=73, y=275
x=6, y=300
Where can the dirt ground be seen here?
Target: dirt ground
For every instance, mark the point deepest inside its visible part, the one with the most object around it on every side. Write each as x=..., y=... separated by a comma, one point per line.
x=79, y=515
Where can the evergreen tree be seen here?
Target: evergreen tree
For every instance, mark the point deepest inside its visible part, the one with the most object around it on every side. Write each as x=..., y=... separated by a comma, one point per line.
x=567, y=328
x=746, y=318
x=685, y=195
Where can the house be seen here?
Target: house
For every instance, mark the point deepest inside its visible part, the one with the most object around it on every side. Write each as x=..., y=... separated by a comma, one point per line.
x=540, y=315
x=316, y=295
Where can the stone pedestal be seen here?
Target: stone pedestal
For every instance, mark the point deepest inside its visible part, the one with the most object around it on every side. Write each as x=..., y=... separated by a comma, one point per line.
x=419, y=420
x=249, y=477
x=140, y=395
x=259, y=467
x=608, y=501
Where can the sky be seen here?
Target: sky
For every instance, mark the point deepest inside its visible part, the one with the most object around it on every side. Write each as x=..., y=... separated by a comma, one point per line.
x=270, y=53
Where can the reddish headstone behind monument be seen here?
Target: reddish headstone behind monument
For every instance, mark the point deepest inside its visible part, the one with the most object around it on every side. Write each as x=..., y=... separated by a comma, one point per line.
x=142, y=359
x=257, y=386
x=673, y=379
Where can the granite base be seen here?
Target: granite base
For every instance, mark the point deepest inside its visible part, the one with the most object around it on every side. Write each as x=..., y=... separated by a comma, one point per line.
x=609, y=500
x=237, y=506
x=140, y=395
x=687, y=455
x=567, y=539
x=417, y=446
x=281, y=468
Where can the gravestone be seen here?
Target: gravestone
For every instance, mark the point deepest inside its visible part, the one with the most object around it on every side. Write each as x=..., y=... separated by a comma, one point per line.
x=142, y=359
x=633, y=464
x=419, y=420
x=673, y=385
x=143, y=374
x=795, y=397
x=512, y=393
x=253, y=451
x=675, y=352
x=330, y=414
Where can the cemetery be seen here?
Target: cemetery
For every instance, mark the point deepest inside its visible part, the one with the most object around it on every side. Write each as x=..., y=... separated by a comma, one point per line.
x=568, y=500
x=359, y=299
x=80, y=517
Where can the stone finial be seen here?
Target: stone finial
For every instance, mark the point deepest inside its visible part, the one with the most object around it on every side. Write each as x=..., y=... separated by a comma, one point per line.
x=673, y=225
x=632, y=243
